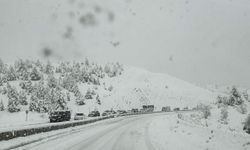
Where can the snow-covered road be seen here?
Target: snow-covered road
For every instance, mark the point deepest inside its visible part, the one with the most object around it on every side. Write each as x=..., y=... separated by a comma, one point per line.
x=129, y=133
x=144, y=132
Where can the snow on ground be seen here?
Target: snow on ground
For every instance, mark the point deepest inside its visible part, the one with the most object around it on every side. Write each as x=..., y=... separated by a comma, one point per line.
x=15, y=120
x=53, y=134
x=169, y=132
x=152, y=131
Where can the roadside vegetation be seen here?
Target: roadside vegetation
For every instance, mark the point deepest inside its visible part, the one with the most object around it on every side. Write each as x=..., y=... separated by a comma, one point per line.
x=43, y=86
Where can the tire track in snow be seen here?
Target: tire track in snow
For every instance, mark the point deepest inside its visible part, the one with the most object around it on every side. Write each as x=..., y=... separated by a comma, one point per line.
x=147, y=137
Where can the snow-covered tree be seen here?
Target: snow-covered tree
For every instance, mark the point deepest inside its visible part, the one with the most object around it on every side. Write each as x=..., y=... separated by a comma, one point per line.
x=48, y=69
x=34, y=103
x=35, y=75
x=110, y=88
x=23, y=98
x=235, y=97
x=22, y=69
x=39, y=66
x=69, y=83
x=1, y=106
x=224, y=115
x=242, y=108
x=11, y=74
x=1, y=81
x=88, y=94
x=3, y=68
x=205, y=109
x=58, y=100
x=98, y=100
x=51, y=81
x=27, y=86
x=80, y=99
x=245, y=95
x=40, y=100
x=68, y=96
x=87, y=62
x=107, y=69
x=13, y=102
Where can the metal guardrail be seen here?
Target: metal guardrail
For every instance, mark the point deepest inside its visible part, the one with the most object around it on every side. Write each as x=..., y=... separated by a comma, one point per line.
x=7, y=135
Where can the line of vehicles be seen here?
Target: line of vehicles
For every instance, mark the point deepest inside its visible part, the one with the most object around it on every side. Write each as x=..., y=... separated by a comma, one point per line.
x=59, y=116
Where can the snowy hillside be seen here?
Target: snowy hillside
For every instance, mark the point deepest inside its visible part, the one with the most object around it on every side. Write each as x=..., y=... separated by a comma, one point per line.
x=41, y=87
x=137, y=87
x=84, y=86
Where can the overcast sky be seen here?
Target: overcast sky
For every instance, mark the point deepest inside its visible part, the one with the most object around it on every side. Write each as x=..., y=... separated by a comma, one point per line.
x=201, y=41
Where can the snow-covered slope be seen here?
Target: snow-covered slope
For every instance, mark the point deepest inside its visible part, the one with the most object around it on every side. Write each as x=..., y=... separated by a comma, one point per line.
x=132, y=89
x=137, y=87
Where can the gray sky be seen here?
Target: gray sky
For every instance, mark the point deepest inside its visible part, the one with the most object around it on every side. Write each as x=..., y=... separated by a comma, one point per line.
x=201, y=41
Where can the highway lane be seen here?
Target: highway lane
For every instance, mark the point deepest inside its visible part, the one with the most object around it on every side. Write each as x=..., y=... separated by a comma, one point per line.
x=128, y=133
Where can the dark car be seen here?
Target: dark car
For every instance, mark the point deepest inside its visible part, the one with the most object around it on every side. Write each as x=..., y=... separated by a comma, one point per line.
x=176, y=109
x=94, y=114
x=79, y=116
x=108, y=113
x=148, y=108
x=135, y=110
x=166, y=109
x=58, y=116
x=121, y=112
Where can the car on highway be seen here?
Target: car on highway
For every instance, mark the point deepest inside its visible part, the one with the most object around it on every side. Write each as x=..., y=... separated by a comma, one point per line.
x=94, y=113
x=108, y=113
x=166, y=109
x=147, y=108
x=177, y=109
x=134, y=111
x=121, y=112
x=79, y=116
x=58, y=116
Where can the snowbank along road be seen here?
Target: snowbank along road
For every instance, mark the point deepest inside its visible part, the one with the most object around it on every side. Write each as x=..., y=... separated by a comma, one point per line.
x=144, y=132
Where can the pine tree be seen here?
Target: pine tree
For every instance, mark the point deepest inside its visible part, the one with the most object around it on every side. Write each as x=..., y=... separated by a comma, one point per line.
x=13, y=102
x=23, y=98
x=39, y=98
x=80, y=99
x=2, y=66
x=1, y=81
x=58, y=100
x=1, y=106
x=88, y=94
x=21, y=70
x=51, y=81
x=33, y=103
x=35, y=75
x=98, y=100
x=86, y=62
x=48, y=68
x=11, y=74
x=245, y=95
x=68, y=96
x=39, y=65
x=224, y=115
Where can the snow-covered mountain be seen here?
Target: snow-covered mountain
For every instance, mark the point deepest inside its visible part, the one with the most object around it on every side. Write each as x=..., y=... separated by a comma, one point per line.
x=114, y=87
x=86, y=86
x=137, y=87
